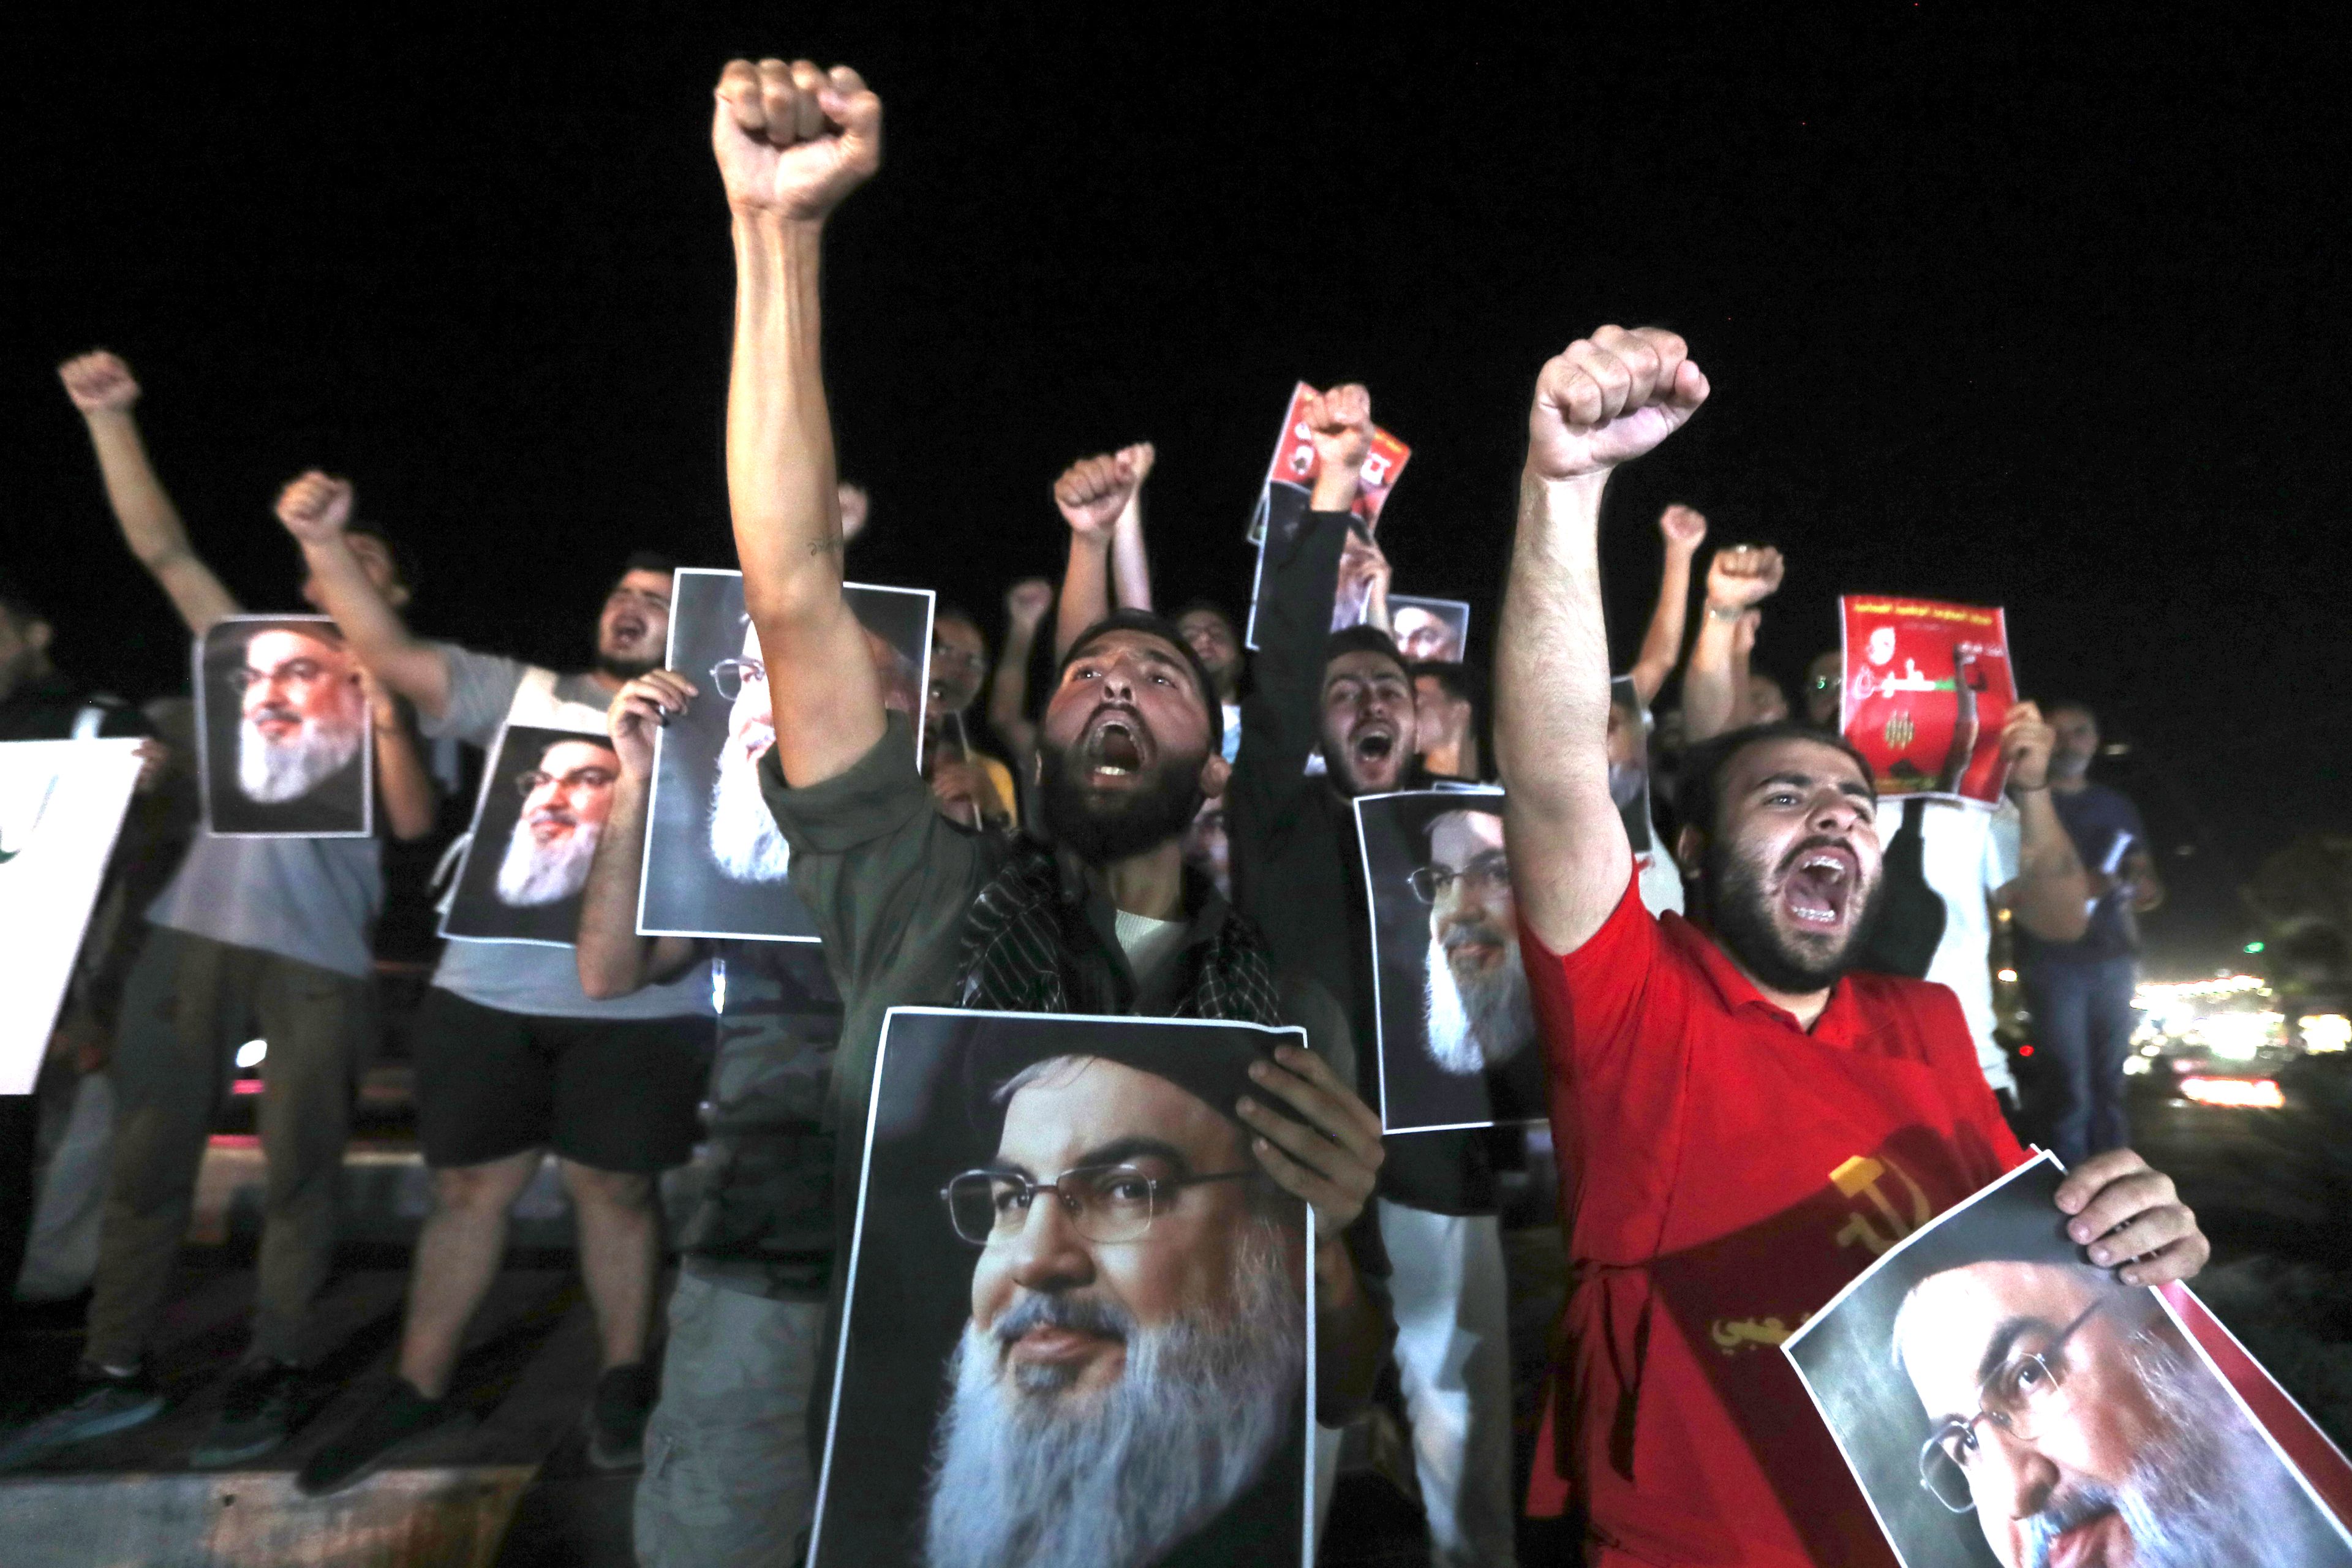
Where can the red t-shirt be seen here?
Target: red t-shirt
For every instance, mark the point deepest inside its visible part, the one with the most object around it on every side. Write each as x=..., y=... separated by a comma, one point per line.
x=1723, y=1172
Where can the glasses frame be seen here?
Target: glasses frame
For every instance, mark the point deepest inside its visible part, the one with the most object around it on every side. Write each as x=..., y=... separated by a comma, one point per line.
x=730, y=676
x=1429, y=883
x=244, y=678
x=2050, y=1358
x=530, y=783
x=1164, y=1190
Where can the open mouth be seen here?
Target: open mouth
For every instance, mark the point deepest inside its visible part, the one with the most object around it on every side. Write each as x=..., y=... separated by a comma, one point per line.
x=627, y=629
x=1114, y=746
x=1372, y=745
x=1818, y=887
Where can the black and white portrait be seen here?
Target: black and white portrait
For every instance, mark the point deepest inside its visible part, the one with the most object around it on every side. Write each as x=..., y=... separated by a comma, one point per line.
x=715, y=862
x=545, y=797
x=1457, y=1029
x=1076, y=1330
x=287, y=750
x=1429, y=631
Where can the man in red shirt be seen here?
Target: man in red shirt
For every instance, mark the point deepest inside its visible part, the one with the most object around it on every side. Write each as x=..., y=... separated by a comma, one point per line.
x=1743, y=1124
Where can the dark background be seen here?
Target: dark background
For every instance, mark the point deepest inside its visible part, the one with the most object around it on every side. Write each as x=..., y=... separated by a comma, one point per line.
x=2038, y=307
x=684, y=891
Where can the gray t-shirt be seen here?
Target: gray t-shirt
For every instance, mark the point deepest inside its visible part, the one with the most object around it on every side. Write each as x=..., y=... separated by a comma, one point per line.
x=311, y=899
x=518, y=976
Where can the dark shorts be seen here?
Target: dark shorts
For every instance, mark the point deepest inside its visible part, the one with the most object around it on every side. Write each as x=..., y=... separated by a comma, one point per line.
x=612, y=1094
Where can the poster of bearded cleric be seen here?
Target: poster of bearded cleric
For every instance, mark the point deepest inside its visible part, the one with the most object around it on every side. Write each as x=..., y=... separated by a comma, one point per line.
x=1457, y=1025
x=287, y=751
x=1077, y=1326
x=545, y=797
x=1927, y=686
x=715, y=862
x=1429, y=631
x=1289, y=484
x=2002, y=1402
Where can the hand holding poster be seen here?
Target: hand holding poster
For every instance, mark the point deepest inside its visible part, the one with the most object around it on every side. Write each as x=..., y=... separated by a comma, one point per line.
x=2001, y=1400
x=1456, y=1027
x=715, y=862
x=545, y=797
x=1927, y=686
x=1289, y=484
x=61, y=804
x=285, y=748
x=1076, y=1331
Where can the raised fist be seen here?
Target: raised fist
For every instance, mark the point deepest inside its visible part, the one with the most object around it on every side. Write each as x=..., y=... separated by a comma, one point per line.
x=1341, y=422
x=1609, y=398
x=1140, y=459
x=2025, y=740
x=1684, y=528
x=315, y=508
x=855, y=507
x=1742, y=576
x=99, y=383
x=793, y=140
x=1093, y=492
x=1029, y=600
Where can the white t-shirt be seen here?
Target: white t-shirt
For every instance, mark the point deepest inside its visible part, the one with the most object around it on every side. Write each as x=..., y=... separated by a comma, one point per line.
x=1149, y=943
x=1967, y=854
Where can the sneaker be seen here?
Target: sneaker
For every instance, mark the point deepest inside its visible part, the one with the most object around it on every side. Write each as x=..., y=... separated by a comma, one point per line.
x=402, y=1413
x=615, y=1418
x=104, y=1402
x=256, y=1416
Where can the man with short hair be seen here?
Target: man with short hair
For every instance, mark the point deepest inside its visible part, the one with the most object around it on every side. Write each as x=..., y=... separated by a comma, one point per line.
x=1121, y=1399
x=513, y=1057
x=1745, y=1121
x=912, y=909
x=1214, y=639
x=2073, y=1418
x=2081, y=990
x=1445, y=722
x=269, y=937
x=959, y=673
x=1347, y=698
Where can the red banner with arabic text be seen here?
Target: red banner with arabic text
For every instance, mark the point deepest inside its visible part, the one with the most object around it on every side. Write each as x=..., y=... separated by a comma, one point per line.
x=1927, y=686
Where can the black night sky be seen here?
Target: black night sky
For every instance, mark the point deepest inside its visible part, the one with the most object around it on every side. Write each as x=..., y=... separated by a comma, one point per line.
x=2043, y=310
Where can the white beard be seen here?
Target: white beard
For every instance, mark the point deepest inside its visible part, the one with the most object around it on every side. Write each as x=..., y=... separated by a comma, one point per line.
x=533, y=873
x=274, y=772
x=1115, y=1479
x=744, y=839
x=1488, y=1028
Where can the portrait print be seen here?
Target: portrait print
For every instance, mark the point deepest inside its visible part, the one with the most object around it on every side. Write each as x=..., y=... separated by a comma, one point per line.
x=1457, y=1022
x=715, y=864
x=285, y=749
x=2000, y=1401
x=1289, y=486
x=61, y=806
x=1076, y=1322
x=545, y=797
x=1428, y=630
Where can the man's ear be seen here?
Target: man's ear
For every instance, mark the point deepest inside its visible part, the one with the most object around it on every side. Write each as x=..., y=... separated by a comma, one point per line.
x=1214, y=773
x=1690, y=851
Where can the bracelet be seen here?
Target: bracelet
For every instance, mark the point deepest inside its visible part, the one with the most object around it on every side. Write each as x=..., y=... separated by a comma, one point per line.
x=1732, y=613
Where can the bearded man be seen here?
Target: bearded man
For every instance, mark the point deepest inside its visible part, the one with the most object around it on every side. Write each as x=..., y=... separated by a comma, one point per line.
x=303, y=719
x=1102, y=917
x=565, y=800
x=1126, y=1391
x=1477, y=1013
x=1745, y=1119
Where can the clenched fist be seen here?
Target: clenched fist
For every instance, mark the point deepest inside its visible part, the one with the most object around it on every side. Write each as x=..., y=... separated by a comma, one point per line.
x=99, y=383
x=1028, y=601
x=1609, y=398
x=315, y=508
x=1093, y=492
x=1684, y=528
x=1742, y=576
x=1140, y=459
x=793, y=140
x=1341, y=422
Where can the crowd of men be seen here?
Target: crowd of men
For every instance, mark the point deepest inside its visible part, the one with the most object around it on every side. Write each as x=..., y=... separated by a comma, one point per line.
x=1166, y=830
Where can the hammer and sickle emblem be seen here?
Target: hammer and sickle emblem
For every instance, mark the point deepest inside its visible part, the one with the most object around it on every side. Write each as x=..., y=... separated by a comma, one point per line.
x=1860, y=1177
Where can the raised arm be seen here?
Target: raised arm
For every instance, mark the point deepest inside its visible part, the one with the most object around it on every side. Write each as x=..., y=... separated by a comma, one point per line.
x=316, y=509
x=1091, y=496
x=1130, y=563
x=1739, y=578
x=102, y=388
x=402, y=779
x=1683, y=529
x=2052, y=894
x=1605, y=400
x=614, y=959
x=792, y=142
x=1008, y=691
